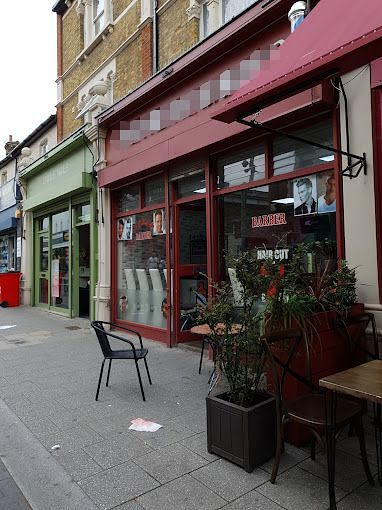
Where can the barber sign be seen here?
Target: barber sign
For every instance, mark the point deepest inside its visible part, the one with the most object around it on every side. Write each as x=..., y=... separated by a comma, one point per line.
x=268, y=220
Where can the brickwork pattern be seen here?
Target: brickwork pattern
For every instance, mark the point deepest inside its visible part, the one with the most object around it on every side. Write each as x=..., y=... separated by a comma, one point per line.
x=69, y=113
x=72, y=38
x=122, y=30
x=133, y=63
x=129, y=70
x=146, y=50
x=119, y=6
x=175, y=36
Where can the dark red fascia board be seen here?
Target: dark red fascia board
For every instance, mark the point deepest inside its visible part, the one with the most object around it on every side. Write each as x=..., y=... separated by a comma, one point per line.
x=234, y=34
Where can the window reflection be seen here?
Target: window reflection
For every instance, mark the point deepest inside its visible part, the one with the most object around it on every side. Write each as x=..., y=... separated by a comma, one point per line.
x=142, y=273
x=60, y=260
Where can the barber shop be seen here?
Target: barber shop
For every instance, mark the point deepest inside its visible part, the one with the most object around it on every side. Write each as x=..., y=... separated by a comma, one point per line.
x=190, y=186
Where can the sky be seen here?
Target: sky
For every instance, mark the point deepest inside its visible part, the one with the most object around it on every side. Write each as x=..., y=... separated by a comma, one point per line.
x=28, y=59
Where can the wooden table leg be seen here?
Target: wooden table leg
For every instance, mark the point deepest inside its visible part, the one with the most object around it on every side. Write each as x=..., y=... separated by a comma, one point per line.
x=330, y=415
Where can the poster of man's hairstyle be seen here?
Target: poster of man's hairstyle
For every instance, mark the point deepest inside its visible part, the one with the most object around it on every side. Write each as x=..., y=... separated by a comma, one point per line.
x=305, y=195
x=326, y=192
x=159, y=222
x=124, y=229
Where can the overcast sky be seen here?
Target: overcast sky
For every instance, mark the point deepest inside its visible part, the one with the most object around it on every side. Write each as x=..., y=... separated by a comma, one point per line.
x=28, y=67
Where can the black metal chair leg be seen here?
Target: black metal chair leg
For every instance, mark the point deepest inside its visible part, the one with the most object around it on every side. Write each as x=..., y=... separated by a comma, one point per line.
x=100, y=378
x=108, y=373
x=362, y=446
x=313, y=449
x=147, y=370
x=140, y=381
x=279, y=443
x=201, y=356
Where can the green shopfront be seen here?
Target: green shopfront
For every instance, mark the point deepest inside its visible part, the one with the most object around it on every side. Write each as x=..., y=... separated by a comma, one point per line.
x=60, y=200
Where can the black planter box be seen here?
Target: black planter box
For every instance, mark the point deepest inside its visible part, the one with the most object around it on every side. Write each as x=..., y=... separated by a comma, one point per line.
x=243, y=435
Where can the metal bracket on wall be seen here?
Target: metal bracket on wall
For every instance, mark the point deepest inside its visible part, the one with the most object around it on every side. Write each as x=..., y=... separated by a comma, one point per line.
x=353, y=168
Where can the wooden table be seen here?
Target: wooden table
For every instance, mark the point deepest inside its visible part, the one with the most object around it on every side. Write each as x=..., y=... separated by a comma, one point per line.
x=364, y=382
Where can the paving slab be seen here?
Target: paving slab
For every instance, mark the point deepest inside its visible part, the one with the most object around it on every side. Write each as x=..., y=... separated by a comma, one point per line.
x=48, y=389
x=216, y=474
x=297, y=489
x=170, y=462
x=118, y=485
x=108, y=453
x=363, y=498
x=44, y=483
x=185, y=493
x=253, y=501
x=349, y=470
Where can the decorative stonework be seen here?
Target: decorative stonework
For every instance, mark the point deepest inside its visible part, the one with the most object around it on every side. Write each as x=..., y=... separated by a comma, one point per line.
x=25, y=158
x=194, y=10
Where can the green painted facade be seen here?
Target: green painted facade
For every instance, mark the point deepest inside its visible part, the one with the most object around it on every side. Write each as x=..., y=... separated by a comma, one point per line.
x=59, y=188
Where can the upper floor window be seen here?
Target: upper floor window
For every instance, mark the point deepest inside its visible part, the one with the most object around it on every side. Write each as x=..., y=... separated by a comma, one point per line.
x=3, y=178
x=97, y=20
x=98, y=15
x=215, y=13
x=44, y=147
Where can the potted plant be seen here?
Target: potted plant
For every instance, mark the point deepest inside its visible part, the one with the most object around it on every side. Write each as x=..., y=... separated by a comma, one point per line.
x=311, y=295
x=241, y=420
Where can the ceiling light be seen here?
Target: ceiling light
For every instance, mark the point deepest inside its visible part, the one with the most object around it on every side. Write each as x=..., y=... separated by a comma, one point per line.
x=327, y=158
x=200, y=190
x=286, y=200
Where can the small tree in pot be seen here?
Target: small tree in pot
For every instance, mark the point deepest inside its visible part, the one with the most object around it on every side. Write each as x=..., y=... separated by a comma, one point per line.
x=241, y=421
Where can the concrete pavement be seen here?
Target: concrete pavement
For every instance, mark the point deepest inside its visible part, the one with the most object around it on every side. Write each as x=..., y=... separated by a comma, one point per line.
x=49, y=368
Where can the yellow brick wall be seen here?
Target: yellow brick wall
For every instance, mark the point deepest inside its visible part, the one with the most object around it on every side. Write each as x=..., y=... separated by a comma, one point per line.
x=129, y=70
x=69, y=122
x=176, y=33
x=72, y=38
x=120, y=5
x=122, y=30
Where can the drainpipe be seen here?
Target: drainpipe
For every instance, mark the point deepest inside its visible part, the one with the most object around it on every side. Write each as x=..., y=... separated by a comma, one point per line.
x=155, y=36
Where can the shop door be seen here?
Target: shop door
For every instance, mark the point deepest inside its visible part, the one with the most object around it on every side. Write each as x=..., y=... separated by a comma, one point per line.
x=190, y=266
x=84, y=270
x=42, y=270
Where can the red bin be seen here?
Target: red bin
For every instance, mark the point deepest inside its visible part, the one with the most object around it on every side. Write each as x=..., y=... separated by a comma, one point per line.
x=10, y=288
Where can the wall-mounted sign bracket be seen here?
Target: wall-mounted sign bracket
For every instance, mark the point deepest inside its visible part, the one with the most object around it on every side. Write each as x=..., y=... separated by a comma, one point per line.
x=355, y=163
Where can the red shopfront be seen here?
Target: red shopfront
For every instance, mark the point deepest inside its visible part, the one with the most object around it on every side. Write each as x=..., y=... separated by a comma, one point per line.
x=196, y=189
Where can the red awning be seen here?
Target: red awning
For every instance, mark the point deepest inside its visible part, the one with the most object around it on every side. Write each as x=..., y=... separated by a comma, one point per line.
x=336, y=37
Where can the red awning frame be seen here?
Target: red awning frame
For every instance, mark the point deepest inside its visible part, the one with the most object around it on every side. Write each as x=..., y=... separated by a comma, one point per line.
x=360, y=161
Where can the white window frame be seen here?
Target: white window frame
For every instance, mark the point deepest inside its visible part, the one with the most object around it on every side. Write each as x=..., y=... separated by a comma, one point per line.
x=218, y=21
x=97, y=17
x=92, y=35
x=44, y=147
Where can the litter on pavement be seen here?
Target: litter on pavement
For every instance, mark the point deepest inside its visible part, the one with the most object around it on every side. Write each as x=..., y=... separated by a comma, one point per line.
x=141, y=425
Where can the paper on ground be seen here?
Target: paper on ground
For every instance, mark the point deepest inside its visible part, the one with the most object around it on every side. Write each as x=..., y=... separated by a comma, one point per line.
x=144, y=426
x=8, y=327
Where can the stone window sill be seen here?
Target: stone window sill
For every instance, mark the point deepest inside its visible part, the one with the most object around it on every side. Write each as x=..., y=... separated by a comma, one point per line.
x=108, y=29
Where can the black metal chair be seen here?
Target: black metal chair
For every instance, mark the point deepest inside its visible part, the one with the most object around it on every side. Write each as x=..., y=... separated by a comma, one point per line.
x=356, y=329
x=130, y=354
x=307, y=410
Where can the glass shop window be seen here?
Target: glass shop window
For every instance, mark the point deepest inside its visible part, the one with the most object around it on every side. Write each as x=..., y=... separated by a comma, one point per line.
x=290, y=155
x=272, y=219
x=60, y=260
x=245, y=166
x=142, y=271
x=189, y=180
x=128, y=198
x=154, y=191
